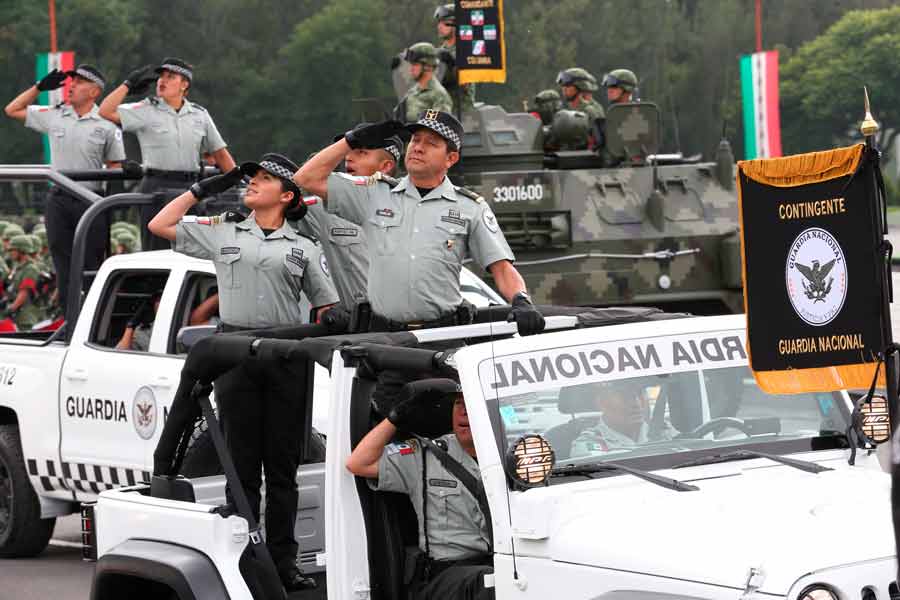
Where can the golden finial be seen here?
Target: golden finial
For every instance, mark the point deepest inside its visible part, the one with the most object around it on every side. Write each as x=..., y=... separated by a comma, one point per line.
x=869, y=126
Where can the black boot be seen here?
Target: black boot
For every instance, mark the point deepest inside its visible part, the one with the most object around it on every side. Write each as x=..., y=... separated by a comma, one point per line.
x=294, y=581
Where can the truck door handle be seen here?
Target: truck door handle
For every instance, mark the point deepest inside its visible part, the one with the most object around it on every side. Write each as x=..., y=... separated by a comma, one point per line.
x=161, y=382
x=77, y=374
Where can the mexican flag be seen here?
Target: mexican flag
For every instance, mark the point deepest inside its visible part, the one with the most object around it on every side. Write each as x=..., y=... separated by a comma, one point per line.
x=759, y=91
x=64, y=61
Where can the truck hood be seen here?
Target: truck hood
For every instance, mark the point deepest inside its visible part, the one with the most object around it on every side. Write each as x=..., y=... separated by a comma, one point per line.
x=746, y=514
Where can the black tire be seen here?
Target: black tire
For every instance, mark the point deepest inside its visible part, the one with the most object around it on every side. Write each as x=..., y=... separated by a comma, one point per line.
x=201, y=459
x=23, y=533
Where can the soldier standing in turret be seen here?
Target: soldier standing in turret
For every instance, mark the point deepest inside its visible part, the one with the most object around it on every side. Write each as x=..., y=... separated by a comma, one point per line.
x=427, y=93
x=620, y=85
x=578, y=87
x=445, y=15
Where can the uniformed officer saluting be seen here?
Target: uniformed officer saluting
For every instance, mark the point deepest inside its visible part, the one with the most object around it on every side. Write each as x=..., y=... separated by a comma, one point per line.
x=173, y=132
x=262, y=266
x=79, y=139
x=420, y=230
x=343, y=242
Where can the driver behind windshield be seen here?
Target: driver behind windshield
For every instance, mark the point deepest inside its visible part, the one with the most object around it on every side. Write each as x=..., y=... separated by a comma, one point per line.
x=624, y=421
x=454, y=541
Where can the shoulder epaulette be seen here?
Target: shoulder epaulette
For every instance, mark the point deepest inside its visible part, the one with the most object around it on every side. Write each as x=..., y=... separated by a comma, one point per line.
x=311, y=238
x=198, y=107
x=379, y=176
x=468, y=194
x=152, y=100
x=232, y=216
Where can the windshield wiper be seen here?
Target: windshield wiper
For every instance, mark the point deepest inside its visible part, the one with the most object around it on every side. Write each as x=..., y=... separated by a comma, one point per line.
x=803, y=465
x=589, y=470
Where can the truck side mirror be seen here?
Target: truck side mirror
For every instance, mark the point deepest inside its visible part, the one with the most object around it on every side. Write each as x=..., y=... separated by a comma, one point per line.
x=190, y=335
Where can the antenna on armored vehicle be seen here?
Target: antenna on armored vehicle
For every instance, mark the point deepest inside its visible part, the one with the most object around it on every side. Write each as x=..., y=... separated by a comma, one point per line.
x=725, y=160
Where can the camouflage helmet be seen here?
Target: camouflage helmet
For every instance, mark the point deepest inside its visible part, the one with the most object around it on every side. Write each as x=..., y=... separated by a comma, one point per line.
x=546, y=103
x=20, y=242
x=41, y=235
x=12, y=230
x=3, y=226
x=35, y=243
x=570, y=128
x=622, y=78
x=423, y=53
x=446, y=13
x=578, y=77
x=127, y=240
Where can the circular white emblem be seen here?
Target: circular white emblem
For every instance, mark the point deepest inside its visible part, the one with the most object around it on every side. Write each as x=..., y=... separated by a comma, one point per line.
x=665, y=282
x=143, y=413
x=490, y=221
x=324, y=264
x=816, y=276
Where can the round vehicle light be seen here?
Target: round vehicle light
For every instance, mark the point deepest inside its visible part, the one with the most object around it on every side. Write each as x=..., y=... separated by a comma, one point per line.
x=665, y=282
x=529, y=461
x=876, y=421
x=818, y=591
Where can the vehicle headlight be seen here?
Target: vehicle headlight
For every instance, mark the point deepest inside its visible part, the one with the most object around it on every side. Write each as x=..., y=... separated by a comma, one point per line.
x=818, y=591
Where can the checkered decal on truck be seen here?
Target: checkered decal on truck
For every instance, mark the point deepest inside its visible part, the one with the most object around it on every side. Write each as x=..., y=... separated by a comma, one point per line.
x=53, y=475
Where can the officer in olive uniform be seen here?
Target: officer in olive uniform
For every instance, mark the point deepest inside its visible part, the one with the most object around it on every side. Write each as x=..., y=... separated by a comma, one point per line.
x=578, y=87
x=344, y=242
x=79, y=139
x=620, y=85
x=420, y=229
x=454, y=535
x=445, y=16
x=427, y=93
x=173, y=132
x=263, y=266
x=21, y=295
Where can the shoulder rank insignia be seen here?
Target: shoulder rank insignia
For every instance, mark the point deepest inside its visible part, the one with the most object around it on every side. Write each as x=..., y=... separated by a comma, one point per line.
x=468, y=194
x=151, y=99
x=379, y=176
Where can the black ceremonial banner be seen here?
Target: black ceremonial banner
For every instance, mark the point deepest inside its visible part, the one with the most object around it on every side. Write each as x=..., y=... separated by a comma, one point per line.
x=812, y=270
x=480, y=49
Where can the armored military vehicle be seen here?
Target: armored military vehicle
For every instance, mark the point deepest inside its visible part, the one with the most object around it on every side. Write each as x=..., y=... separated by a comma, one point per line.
x=654, y=229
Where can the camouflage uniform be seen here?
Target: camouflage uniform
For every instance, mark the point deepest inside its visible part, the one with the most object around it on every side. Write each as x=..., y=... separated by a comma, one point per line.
x=434, y=96
x=602, y=438
x=591, y=108
x=25, y=276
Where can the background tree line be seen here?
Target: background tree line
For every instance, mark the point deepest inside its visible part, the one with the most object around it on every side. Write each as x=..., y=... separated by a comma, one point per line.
x=280, y=74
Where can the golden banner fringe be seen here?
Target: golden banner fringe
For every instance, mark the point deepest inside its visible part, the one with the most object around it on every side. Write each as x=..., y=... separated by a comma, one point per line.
x=823, y=379
x=482, y=76
x=801, y=169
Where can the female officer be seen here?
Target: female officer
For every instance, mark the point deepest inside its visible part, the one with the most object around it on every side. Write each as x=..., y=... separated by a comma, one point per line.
x=173, y=132
x=262, y=266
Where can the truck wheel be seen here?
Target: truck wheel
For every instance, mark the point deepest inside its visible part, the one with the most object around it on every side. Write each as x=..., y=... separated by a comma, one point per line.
x=23, y=533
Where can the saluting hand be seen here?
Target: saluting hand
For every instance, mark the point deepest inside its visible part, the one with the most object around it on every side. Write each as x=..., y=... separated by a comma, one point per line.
x=216, y=184
x=51, y=81
x=372, y=135
x=139, y=80
x=527, y=317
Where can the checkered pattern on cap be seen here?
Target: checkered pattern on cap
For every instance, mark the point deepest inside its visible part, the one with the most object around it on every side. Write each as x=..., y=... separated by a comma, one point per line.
x=178, y=69
x=432, y=120
x=394, y=150
x=276, y=169
x=90, y=76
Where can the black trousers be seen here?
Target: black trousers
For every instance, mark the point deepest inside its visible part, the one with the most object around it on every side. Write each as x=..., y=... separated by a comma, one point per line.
x=169, y=188
x=263, y=409
x=62, y=213
x=461, y=582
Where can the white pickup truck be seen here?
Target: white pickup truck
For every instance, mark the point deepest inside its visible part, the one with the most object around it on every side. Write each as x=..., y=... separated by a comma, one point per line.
x=672, y=476
x=81, y=417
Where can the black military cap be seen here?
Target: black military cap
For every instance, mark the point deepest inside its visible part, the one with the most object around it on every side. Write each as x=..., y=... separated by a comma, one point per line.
x=444, y=124
x=280, y=166
x=393, y=145
x=176, y=65
x=89, y=72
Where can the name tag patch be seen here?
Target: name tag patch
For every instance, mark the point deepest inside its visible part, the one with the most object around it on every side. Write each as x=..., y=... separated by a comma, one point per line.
x=445, y=483
x=454, y=220
x=344, y=232
x=230, y=250
x=384, y=212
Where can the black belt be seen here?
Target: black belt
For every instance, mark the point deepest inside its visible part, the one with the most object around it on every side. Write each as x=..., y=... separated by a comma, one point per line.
x=226, y=328
x=173, y=175
x=435, y=567
x=463, y=315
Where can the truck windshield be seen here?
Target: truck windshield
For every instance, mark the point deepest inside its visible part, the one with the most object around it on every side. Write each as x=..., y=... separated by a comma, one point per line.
x=664, y=417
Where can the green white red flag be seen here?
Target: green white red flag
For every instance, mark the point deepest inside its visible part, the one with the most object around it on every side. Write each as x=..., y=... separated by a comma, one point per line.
x=64, y=61
x=759, y=91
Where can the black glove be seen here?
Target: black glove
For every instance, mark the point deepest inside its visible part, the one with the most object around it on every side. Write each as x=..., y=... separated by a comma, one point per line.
x=337, y=319
x=527, y=317
x=51, y=81
x=372, y=135
x=133, y=169
x=216, y=184
x=395, y=62
x=141, y=315
x=140, y=79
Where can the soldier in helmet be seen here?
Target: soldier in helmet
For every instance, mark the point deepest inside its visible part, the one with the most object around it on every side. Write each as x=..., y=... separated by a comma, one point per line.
x=620, y=85
x=546, y=104
x=578, y=87
x=427, y=93
x=445, y=16
x=21, y=294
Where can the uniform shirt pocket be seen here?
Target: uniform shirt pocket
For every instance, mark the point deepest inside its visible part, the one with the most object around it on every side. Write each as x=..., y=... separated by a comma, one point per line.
x=58, y=132
x=445, y=493
x=452, y=236
x=386, y=232
x=157, y=134
x=228, y=258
